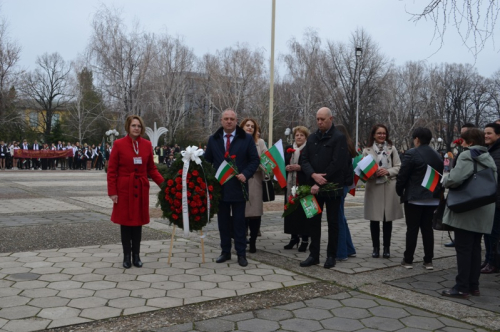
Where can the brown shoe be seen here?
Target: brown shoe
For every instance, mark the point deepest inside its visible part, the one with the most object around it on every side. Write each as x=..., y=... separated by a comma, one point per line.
x=488, y=269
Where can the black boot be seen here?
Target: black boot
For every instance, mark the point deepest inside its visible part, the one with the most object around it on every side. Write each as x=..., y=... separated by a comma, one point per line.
x=252, y=246
x=376, y=252
x=387, y=253
x=303, y=246
x=136, y=260
x=294, y=241
x=126, y=261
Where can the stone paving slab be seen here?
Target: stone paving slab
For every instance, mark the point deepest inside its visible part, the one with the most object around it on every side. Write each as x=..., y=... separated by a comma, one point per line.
x=66, y=286
x=49, y=217
x=433, y=283
x=35, y=205
x=348, y=311
x=103, y=201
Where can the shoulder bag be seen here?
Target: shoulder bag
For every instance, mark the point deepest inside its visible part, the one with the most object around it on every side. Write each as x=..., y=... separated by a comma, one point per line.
x=478, y=190
x=267, y=190
x=437, y=218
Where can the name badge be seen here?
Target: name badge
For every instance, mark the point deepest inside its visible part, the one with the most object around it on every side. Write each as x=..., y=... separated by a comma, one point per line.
x=137, y=160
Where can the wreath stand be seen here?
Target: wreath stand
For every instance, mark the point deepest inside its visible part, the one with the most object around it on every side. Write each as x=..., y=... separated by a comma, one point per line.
x=172, y=245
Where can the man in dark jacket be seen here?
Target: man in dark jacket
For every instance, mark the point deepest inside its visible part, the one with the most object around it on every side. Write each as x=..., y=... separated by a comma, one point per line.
x=491, y=264
x=419, y=202
x=325, y=159
x=235, y=141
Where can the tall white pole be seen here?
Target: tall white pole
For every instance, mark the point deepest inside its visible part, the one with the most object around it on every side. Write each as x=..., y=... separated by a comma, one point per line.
x=357, y=108
x=271, y=68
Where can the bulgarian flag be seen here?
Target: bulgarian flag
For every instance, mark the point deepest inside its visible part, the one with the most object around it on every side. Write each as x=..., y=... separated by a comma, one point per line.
x=355, y=161
x=224, y=172
x=368, y=166
x=431, y=179
x=310, y=205
x=273, y=161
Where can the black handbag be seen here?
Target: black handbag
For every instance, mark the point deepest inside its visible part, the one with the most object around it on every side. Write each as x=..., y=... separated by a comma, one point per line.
x=267, y=191
x=478, y=190
x=437, y=218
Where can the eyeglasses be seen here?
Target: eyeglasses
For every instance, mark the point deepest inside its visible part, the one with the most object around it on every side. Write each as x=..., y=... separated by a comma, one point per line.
x=381, y=134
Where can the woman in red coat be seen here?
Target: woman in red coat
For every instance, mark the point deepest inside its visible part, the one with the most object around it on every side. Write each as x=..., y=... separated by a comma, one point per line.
x=130, y=163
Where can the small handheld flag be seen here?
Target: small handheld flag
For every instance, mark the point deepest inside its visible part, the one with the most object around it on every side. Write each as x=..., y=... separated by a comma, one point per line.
x=273, y=161
x=224, y=172
x=431, y=179
x=368, y=166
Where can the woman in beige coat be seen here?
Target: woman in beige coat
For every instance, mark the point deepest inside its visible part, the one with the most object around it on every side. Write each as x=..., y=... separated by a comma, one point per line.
x=381, y=201
x=255, y=206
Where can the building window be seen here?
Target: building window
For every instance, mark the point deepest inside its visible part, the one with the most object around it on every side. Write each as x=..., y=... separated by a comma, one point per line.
x=33, y=119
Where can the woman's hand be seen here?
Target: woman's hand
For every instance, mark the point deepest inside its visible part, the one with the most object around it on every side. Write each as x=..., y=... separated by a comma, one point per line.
x=381, y=172
x=114, y=198
x=293, y=168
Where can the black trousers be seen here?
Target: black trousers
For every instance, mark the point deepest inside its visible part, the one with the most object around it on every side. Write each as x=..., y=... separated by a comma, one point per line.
x=419, y=217
x=131, y=239
x=375, y=233
x=231, y=216
x=332, y=216
x=468, y=248
x=254, y=224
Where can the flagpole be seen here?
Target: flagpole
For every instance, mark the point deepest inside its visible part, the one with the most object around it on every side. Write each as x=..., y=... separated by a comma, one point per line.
x=271, y=69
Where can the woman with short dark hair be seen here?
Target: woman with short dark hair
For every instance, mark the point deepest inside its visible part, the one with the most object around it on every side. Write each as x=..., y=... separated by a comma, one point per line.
x=419, y=202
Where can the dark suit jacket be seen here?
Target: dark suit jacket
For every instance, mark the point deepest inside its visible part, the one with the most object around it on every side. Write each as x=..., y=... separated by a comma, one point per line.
x=328, y=154
x=247, y=160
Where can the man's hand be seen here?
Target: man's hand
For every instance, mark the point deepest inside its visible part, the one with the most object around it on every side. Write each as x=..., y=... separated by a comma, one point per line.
x=114, y=198
x=314, y=189
x=241, y=177
x=381, y=172
x=319, y=178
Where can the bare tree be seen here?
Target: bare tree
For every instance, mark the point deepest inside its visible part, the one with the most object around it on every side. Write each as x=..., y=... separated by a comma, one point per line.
x=9, y=57
x=474, y=20
x=302, y=77
x=86, y=110
x=120, y=61
x=171, y=82
x=46, y=87
x=340, y=74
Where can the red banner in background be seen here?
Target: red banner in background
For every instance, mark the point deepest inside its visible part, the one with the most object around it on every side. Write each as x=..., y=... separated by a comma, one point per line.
x=42, y=153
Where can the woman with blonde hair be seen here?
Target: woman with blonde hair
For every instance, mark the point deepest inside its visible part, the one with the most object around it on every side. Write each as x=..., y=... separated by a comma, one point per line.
x=296, y=223
x=255, y=206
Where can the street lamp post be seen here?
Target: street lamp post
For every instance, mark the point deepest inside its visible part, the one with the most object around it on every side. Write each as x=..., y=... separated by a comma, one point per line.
x=288, y=134
x=359, y=52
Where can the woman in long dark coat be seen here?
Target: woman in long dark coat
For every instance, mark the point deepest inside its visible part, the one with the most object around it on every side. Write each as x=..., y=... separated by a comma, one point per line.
x=130, y=164
x=295, y=223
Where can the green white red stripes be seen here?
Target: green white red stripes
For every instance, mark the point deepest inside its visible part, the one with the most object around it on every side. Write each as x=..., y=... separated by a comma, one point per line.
x=224, y=172
x=431, y=179
x=273, y=160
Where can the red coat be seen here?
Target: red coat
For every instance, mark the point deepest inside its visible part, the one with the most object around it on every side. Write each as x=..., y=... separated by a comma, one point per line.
x=130, y=181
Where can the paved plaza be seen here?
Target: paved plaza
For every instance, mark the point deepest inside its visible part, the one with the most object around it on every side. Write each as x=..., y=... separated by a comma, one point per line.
x=61, y=269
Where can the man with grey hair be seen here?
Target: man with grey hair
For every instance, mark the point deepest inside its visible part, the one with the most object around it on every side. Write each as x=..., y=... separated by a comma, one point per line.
x=325, y=159
x=231, y=140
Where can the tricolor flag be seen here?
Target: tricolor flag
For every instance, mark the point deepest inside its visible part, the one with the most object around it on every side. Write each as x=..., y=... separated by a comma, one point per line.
x=368, y=166
x=273, y=160
x=431, y=179
x=310, y=206
x=355, y=161
x=224, y=172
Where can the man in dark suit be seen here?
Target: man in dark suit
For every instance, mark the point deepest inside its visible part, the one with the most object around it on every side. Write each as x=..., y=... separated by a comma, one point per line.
x=234, y=140
x=35, y=162
x=325, y=159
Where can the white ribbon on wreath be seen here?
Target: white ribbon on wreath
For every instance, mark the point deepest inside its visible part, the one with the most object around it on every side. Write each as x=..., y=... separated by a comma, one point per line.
x=192, y=153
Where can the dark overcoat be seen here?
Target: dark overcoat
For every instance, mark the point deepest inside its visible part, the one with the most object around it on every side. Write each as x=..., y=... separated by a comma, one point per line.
x=247, y=160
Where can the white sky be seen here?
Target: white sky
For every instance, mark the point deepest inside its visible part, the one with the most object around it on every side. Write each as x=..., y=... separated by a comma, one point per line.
x=63, y=26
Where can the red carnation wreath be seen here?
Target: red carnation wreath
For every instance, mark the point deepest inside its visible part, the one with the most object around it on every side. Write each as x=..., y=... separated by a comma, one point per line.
x=199, y=179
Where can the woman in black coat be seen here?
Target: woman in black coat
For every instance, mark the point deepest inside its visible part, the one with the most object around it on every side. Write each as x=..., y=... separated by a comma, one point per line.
x=295, y=223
